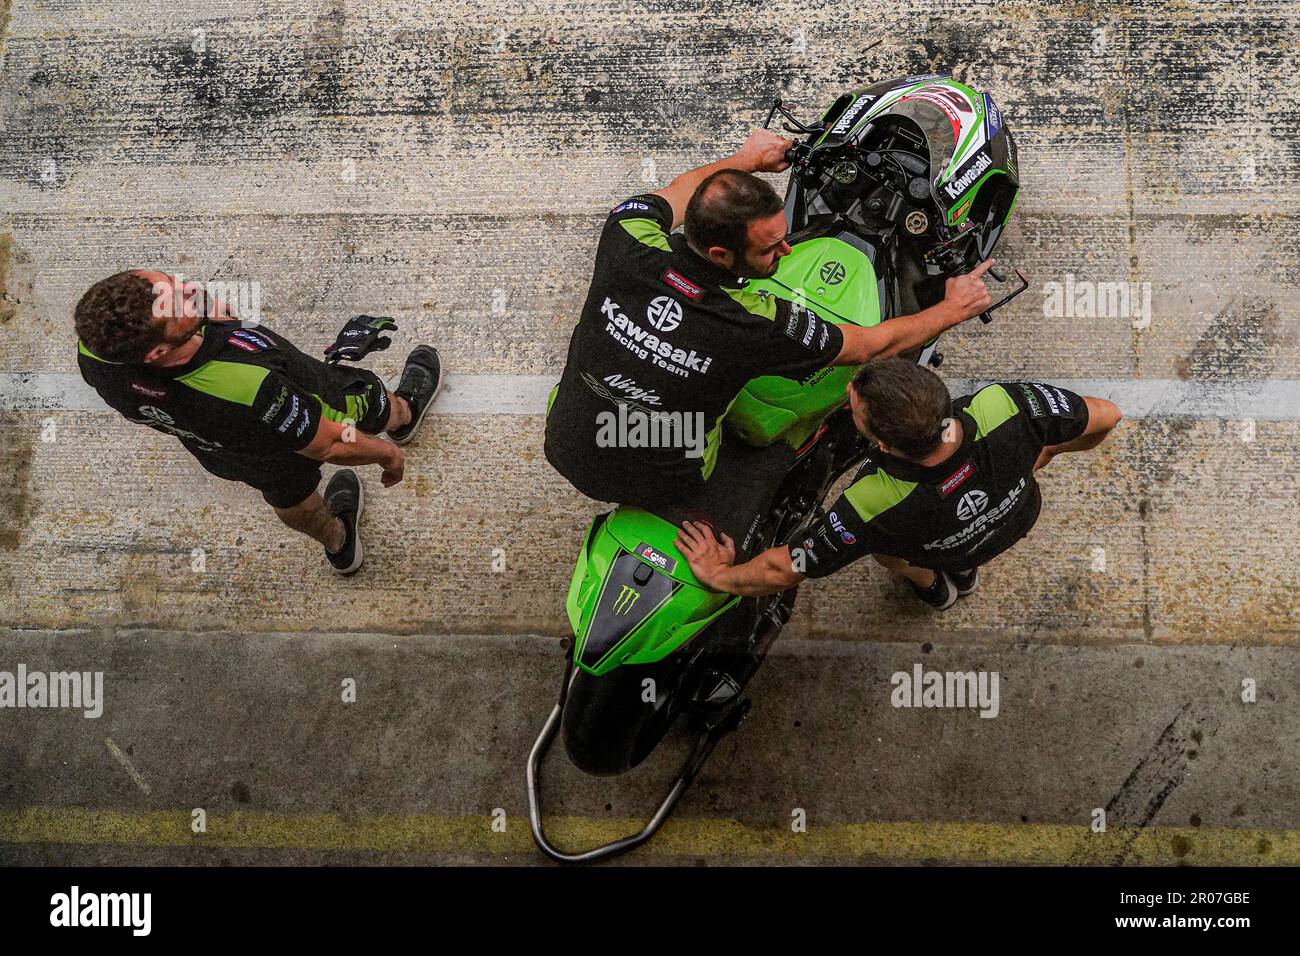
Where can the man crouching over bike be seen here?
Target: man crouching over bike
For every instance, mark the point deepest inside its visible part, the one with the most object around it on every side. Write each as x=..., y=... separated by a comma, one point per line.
x=948, y=486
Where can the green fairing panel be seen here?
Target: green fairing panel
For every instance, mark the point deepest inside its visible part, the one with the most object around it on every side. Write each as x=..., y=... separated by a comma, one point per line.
x=838, y=282
x=648, y=626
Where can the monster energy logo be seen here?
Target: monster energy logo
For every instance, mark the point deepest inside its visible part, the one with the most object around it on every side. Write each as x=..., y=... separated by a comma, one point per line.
x=626, y=598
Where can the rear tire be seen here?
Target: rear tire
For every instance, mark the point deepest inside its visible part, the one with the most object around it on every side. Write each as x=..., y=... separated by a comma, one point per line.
x=608, y=727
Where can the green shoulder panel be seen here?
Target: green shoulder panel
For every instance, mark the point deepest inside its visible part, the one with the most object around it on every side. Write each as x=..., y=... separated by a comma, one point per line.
x=990, y=407
x=81, y=347
x=646, y=231
x=874, y=494
x=753, y=302
x=234, y=381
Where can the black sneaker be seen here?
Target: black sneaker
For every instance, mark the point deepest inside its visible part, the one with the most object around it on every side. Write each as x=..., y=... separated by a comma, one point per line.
x=420, y=384
x=966, y=581
x=940, y=595
x=344, y=498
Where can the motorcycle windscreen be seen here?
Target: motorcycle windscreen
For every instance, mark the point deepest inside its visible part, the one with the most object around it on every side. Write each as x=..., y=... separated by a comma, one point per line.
x=632, y=593
x=936, y=120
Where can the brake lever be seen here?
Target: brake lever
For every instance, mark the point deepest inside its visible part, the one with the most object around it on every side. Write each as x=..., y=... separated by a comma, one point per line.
x=987, y=315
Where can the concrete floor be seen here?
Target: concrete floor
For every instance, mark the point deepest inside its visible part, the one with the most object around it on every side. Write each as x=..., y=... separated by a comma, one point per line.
x=451, y=170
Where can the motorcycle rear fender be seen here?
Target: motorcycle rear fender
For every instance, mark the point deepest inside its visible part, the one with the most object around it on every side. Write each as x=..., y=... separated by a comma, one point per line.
x=632, y=598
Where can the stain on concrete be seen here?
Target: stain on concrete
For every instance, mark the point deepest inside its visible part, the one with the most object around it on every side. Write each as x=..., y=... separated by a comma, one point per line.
x=1238, y=344
x=8, y=306
x=16, y=506
x=1162, y=769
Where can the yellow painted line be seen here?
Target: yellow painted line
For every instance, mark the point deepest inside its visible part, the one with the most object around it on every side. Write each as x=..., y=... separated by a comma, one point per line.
x=1038, y=843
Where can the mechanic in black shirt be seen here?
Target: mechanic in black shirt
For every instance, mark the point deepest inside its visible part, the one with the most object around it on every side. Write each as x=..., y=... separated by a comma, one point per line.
x=669, y=332
x=949, y=487
x=249, y=405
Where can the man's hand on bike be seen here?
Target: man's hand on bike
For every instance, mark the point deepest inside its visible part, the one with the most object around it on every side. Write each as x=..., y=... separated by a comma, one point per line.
x=359, y=337
x=704, y=553
x=966, y=294
x=764, y=152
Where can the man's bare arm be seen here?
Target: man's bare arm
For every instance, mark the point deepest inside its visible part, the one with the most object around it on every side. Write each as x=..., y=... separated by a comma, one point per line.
x=352, y=446
x=763, y=152
x=712, y=563
x=1103, y=416
x=965, y=297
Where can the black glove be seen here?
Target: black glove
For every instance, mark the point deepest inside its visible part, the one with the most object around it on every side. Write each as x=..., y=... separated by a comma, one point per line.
x=359, y=337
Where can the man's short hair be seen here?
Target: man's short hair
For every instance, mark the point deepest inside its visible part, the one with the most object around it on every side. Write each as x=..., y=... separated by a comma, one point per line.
x=115, y=318
x=722, y=208
x=906, y=405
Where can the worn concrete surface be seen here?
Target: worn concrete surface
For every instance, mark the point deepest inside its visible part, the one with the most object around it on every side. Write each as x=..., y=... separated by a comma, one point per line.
x=435, y=742
x=450, y=167
x=1181, y=558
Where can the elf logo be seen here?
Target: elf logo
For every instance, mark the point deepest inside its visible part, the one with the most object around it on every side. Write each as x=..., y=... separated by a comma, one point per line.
x=846, y=535
x=973, y=172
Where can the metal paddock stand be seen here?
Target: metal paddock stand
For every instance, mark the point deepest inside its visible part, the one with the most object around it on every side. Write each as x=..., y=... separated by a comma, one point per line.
x=768, y=628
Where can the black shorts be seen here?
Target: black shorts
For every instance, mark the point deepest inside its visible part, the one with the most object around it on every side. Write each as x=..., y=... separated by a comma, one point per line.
x=734, y=500
x=284, y=481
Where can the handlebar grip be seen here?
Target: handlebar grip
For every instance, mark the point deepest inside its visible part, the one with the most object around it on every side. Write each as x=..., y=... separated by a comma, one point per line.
x=985, y=318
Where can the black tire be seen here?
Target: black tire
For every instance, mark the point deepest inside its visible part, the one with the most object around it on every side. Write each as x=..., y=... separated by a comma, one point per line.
x=608, y=727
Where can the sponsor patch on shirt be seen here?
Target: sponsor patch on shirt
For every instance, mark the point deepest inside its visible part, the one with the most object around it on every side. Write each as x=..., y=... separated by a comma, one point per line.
x=633, y=205
x=956, y=479
x=682, y=284
x=149, y=391
x=249, y=341
x=1035, y=406
x=803, y=326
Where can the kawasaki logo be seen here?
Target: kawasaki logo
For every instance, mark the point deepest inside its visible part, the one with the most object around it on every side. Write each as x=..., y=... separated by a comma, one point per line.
x=626, y=598
x=973, y=172
x=832, y=272
x=971, y=504
x=647, y=346
x=664, y=313
x=851, y=115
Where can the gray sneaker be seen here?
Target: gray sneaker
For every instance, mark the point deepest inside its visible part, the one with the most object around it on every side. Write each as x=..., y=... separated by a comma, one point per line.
x=420, y=384
x=940, y=595
x=345, y=498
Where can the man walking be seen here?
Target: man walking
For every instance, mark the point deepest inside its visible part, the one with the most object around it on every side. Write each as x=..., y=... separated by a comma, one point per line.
x=249, y=405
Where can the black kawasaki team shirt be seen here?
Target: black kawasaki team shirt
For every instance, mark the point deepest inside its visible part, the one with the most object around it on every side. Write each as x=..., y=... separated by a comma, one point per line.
x=664, y=330
x=246, y=400
x=959, y=514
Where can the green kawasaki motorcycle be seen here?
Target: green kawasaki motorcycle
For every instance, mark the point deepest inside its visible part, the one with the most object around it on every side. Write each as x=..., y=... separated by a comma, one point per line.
x=898, y=186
